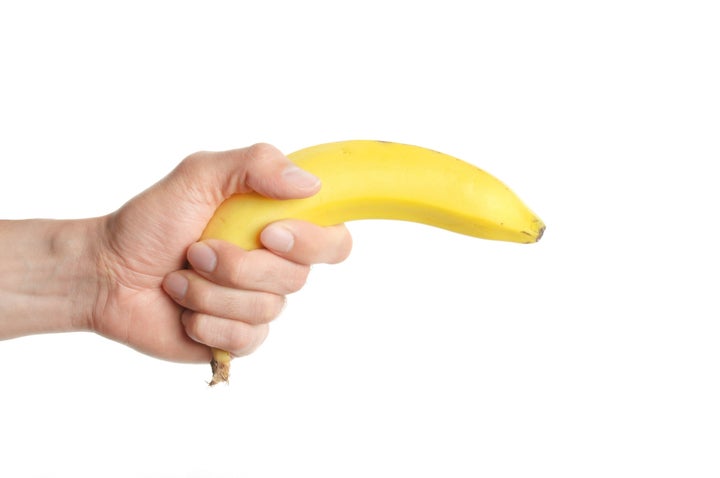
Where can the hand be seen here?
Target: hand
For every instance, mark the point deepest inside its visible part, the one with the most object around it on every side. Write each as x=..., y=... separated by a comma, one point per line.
x=151, y=302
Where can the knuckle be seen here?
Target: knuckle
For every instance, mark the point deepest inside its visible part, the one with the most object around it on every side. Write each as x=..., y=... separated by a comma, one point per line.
x=239, y=339
x=192, y=174
x=276, y=275
x=198, y=296
x=243, y=339
x=343, y=246
x=194, y=328
x=191, y=161
x=267, y=307
x=237, y=275
x=261, y=151
x=296, y=279
x=197, y=156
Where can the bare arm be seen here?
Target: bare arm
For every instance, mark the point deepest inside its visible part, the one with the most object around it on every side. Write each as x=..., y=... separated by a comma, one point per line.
x=48, y=279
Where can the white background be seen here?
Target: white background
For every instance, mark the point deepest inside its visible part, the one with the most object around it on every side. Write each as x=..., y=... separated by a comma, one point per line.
x=594, y=353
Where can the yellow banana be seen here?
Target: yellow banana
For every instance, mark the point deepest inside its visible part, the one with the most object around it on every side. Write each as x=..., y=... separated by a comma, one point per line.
x=364, y=179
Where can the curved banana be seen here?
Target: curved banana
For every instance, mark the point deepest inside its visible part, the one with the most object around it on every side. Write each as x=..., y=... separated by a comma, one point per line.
x=364, y=179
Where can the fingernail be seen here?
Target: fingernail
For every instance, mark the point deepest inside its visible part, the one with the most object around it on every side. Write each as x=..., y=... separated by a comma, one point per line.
x=202, y=257
x=277, y=238
x=300, y=178
x=176, y=285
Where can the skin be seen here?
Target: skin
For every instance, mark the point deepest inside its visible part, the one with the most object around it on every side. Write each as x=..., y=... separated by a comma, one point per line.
x=125, y=275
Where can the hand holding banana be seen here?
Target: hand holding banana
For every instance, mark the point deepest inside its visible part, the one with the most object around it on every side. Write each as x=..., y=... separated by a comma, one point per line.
x=380, y=180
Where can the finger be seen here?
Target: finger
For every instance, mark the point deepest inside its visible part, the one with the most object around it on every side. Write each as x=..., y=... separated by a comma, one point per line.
x=272, y=174
x=214, y=176
x=307, y=243
x=231, y=266
x=194, y=292
x=237, y=338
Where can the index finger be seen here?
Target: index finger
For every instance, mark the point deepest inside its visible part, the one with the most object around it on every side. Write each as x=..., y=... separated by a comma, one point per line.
x=307, y=243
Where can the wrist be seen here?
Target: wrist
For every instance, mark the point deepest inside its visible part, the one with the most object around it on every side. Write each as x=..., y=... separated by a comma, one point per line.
x=49, y=277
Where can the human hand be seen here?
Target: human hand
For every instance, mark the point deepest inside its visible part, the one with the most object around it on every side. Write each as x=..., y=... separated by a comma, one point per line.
x=151, y=302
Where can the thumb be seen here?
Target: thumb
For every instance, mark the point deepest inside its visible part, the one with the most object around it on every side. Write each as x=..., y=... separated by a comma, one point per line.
x=172, y=213
x=261, y=168
x=269, y=172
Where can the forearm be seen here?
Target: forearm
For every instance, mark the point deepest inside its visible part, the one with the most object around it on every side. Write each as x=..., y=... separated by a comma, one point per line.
x=48, y=276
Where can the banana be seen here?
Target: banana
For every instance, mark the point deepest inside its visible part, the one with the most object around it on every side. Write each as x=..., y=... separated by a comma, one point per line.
x=364, y=179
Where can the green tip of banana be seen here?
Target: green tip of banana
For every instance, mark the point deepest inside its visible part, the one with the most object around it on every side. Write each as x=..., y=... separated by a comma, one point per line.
x=367, y=179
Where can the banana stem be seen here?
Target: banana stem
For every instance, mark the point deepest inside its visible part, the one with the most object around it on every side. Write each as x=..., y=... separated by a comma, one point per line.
x=220, y=365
